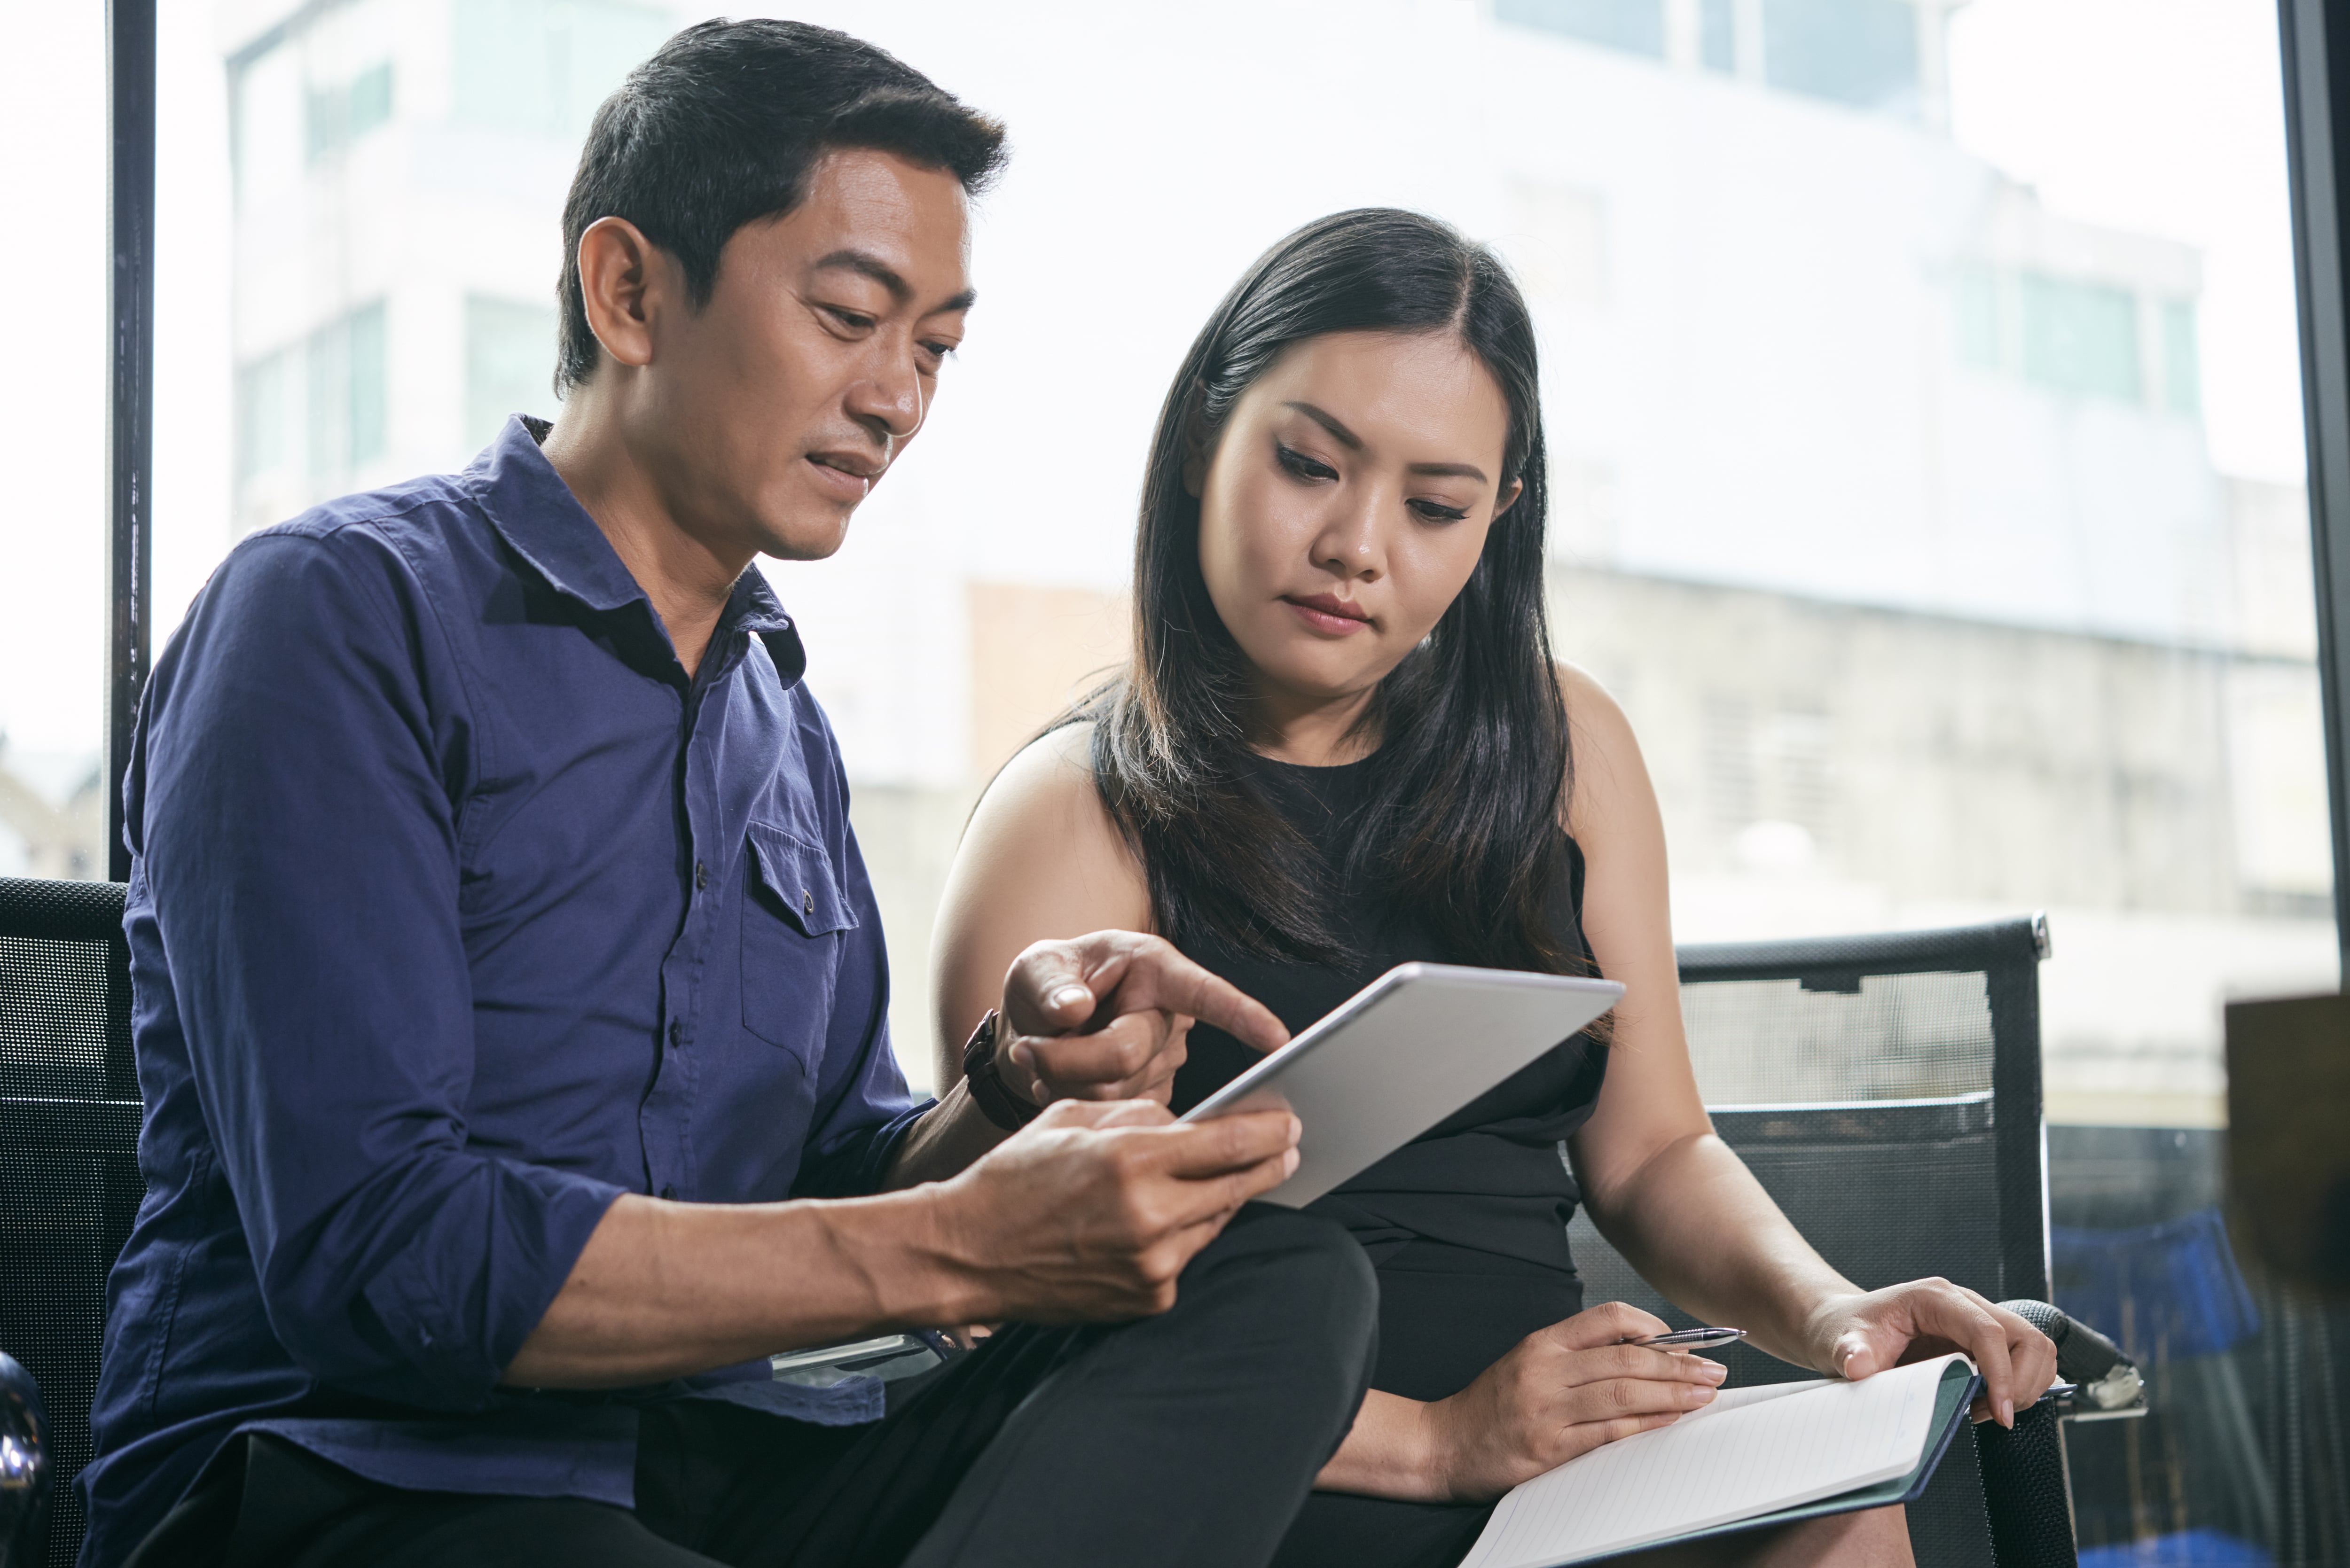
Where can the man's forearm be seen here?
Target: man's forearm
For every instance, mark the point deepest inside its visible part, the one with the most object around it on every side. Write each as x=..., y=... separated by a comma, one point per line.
x=665, y=1290
x=1699, y=1228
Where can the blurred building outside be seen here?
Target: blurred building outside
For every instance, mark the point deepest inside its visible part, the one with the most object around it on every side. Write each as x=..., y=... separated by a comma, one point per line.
x=1882, y=500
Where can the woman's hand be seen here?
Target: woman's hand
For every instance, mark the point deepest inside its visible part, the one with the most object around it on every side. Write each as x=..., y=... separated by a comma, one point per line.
x=1561, y=1392
x=1868, y=1332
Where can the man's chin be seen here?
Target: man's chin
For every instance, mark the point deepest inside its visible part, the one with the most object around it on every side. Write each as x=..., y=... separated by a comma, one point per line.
x=808, y=534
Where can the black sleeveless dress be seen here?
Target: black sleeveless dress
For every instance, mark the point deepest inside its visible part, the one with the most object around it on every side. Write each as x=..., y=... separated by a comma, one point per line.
x=1467, y=1224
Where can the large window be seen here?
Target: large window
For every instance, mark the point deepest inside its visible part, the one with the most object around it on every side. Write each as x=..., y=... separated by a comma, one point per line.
x=1926, y=454
x=53, y=438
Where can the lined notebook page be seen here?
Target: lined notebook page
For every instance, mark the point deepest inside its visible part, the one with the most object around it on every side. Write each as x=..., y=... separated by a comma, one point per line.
x=1750, y=1451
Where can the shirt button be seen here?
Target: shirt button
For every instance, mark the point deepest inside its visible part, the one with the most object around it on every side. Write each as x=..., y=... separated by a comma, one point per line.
x=701, y=875
x=669, y=1193
x=676, y=1033
x=807, y=902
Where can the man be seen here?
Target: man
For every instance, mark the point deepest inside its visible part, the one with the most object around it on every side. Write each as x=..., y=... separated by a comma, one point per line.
x=510, y=994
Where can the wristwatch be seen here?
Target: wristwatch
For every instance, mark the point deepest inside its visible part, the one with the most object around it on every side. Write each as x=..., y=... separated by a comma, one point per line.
x=993, y=1097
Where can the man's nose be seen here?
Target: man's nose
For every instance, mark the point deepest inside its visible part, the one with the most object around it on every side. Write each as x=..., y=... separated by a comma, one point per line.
x=887, y=400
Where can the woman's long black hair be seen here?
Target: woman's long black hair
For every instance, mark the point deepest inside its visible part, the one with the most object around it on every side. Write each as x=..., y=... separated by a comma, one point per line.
x=1471, y=770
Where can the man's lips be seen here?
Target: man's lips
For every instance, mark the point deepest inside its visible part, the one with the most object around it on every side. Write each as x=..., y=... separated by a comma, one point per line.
x=848, y=474
x=1328, y=613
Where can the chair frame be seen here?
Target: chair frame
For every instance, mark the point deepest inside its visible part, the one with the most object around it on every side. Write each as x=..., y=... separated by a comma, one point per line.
x=2008, y=954
x=69, y=1125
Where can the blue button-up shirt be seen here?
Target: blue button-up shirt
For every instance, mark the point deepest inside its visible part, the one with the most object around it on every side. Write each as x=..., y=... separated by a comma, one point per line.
x=456, y=911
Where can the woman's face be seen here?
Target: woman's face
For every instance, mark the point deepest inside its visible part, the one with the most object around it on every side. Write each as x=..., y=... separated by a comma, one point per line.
x=1346, y=502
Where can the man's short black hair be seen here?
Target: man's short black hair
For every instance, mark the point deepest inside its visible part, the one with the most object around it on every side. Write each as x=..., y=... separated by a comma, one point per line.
x=720, y=128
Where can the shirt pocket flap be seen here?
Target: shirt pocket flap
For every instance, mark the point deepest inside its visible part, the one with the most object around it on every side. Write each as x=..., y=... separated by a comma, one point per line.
x=799, y=882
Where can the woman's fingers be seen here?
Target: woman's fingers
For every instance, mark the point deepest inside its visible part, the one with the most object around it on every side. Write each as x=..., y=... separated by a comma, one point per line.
x=1611, y=1322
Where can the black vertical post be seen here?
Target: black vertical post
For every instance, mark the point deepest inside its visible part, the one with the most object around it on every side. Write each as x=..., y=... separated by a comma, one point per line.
x=2317, y=114
x=131, y=422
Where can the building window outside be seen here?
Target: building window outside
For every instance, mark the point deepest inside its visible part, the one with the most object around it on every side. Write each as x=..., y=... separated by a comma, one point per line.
x=509, y=364
x=339, y=420
x=541, y=66
x=2182, y=369
x=1718, y=34
x=2079, y=338
x=1635, y=27
x=1974, y=295
x=1858, y=52
x=344, y=376
x=262, y=415
x=337, y=116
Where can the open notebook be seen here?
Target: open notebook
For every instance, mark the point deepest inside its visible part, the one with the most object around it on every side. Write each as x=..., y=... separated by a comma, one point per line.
x=1764, y=1455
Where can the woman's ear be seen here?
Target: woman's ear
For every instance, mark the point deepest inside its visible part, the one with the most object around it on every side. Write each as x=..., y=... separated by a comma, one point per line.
x=1195, y=443
x=1509, y=497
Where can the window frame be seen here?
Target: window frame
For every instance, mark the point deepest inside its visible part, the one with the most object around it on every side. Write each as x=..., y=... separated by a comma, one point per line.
x=2316, y=59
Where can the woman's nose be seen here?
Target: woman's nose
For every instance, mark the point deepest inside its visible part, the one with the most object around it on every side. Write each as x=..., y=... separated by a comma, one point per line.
x=1350, y=545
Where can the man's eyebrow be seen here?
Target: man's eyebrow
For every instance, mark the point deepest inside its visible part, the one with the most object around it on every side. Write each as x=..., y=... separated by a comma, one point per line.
x=867, y=264
x=1354, y=442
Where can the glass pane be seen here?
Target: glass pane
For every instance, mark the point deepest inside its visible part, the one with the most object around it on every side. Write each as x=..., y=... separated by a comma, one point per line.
x=53, y=444
x=1927, y=458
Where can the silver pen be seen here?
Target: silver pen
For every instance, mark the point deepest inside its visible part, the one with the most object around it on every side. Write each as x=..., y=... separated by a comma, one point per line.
x=1691, y=1337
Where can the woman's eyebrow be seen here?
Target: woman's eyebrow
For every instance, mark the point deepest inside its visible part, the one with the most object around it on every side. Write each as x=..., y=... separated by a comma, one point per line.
x=1354, y=442
x=1338, y=433
x=1450, y=470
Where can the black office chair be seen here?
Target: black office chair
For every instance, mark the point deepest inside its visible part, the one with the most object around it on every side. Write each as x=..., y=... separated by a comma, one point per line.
x=1885, y=1091
x=69, y=1184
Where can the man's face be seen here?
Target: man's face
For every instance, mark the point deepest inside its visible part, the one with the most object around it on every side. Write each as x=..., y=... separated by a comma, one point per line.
x=778, y=406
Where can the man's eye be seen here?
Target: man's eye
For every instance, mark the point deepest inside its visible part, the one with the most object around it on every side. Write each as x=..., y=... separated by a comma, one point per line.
x=853, y=320
x=940, y=352
x=1301, y=465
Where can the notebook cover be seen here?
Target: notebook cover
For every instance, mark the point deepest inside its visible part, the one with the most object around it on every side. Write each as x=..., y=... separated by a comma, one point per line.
x=1959, y=1387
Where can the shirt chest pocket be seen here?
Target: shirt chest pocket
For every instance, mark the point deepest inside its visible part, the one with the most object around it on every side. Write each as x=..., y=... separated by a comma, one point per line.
x=793, y=916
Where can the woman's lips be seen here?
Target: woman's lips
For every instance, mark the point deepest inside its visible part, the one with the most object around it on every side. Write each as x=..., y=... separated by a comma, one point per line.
x=1328, y=614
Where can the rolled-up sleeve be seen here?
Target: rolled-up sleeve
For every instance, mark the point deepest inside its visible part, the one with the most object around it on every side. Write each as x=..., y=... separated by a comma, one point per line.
x=300, y=748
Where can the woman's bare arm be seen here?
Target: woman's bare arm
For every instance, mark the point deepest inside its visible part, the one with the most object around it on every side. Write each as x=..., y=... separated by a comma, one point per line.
x=1675, y=1199
x=1041, y=859
x=1680, y=1205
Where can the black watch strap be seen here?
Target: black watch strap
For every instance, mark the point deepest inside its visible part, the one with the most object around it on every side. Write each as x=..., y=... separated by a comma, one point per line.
x=993, y=1097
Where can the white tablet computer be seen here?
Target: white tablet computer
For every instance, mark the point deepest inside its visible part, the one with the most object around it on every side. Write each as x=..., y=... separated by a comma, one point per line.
x=1401, y=1055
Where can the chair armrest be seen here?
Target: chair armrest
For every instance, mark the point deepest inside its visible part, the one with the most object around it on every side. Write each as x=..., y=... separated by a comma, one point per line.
x=25, y=1463
x=2024, y=1491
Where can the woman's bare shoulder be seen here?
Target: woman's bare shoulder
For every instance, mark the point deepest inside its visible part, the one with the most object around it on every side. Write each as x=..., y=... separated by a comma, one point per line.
x=1045, y=810
x=1608, y=772
x=1051, y=777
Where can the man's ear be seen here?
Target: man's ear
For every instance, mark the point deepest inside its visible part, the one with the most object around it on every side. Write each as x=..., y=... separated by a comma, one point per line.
x=1195, y=443
x=621, y=279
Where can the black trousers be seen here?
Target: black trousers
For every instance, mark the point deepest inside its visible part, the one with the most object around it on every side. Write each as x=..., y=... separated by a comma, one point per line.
x=1189, y=1438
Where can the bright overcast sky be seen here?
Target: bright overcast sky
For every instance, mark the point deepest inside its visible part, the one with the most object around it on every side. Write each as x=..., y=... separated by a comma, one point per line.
x=2159, y=116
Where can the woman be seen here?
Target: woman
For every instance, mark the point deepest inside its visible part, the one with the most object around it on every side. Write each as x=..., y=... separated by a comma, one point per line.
x=1341, y=743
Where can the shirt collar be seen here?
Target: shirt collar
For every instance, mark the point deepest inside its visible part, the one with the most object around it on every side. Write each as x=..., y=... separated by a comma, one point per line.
x=537, y=515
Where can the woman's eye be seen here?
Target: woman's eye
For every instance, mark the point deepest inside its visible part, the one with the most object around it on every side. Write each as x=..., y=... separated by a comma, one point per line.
x=1301, y=465
x=1437, y=512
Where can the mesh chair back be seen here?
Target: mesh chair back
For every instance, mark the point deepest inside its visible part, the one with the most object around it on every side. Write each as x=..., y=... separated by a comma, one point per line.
x=1886, y=1092
x=69, y=1184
